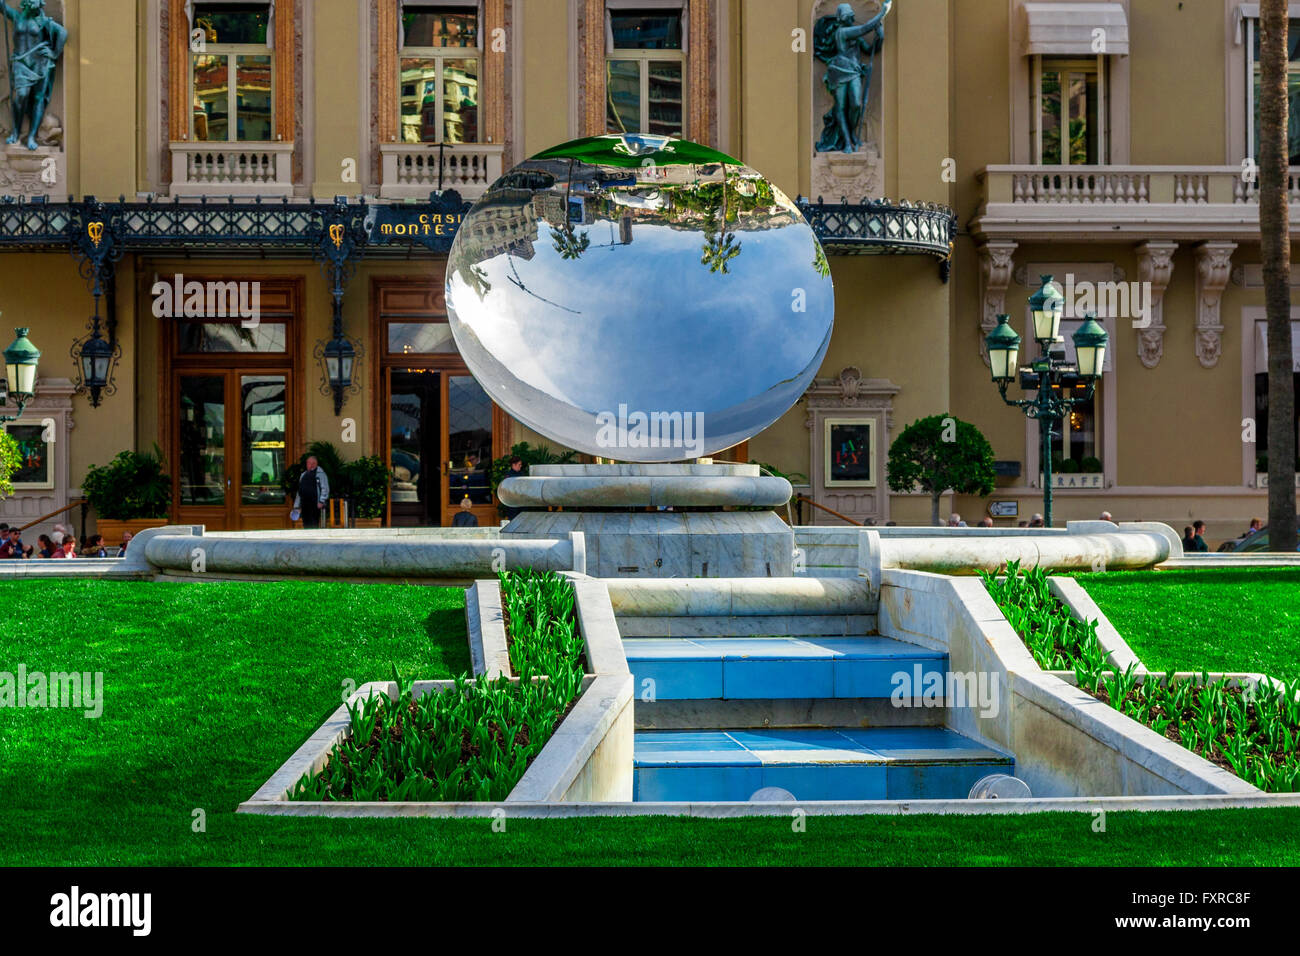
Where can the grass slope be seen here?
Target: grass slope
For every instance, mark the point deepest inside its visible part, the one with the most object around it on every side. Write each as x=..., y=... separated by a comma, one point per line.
x=1235, y=619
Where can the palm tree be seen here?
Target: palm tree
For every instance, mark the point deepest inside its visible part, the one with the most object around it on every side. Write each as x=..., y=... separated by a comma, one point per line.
x=1275, y=250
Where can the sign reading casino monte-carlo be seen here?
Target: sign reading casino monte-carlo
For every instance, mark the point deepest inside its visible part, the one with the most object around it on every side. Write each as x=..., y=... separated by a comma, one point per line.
x=431, y=225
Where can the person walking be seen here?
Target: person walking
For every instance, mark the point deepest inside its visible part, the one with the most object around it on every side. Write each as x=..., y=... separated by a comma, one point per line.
x=313, y=494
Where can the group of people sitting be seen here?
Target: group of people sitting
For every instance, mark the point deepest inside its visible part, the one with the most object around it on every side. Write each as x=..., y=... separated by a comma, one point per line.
x=59, y=543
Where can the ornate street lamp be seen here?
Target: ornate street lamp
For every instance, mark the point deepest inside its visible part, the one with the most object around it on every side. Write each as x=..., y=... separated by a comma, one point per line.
x=1048, y=377
x=1045, y=309
x=339, y=355
x=21, y=360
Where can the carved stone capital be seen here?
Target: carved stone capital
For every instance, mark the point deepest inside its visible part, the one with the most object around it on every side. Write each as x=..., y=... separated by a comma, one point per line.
x=1156, y=267
x=996, y=268
x=1213, y=269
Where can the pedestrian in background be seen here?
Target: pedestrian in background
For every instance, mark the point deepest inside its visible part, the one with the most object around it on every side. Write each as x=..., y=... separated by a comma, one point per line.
x=1198, y=536
x=313, y=494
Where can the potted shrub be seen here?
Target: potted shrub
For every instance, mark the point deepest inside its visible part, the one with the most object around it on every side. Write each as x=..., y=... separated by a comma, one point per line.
x=130, y=493
x=368, y=481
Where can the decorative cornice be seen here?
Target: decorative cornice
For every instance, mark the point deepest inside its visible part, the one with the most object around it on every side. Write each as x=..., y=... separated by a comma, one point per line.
x=1213, y=269
x=996, y=270
x=849, y=390
x=1155, y=266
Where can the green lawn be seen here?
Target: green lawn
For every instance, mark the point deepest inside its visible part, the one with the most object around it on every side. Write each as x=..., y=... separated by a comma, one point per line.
x=210, y=686
x=1235, y=619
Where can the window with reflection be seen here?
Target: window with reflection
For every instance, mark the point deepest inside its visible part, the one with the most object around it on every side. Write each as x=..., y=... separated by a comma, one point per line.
x=1292, y=87
x=414, y=338
x=645, y=71
x=232, y=73
x=203, y=439
x=204, y=337
x=263, y=430
x=438, y=82
x=1070, y=111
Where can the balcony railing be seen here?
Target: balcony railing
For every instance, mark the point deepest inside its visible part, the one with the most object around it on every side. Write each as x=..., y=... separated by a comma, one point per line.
x=232, y=169
x=1154, y=201
x=413, y=170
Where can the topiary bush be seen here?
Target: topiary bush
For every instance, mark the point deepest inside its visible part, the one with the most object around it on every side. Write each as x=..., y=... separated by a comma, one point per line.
x=938, y=454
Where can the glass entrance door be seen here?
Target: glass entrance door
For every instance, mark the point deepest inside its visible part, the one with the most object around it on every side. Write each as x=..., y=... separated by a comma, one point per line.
x=440, y=448
x=232, y=438
x=415, y=447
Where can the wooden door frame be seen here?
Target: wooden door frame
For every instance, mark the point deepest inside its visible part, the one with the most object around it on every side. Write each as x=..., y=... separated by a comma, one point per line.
x=425, y=301
x=282, y=298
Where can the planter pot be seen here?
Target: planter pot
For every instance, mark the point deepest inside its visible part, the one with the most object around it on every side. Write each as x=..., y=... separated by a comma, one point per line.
x=368, y=522
x=112, y=529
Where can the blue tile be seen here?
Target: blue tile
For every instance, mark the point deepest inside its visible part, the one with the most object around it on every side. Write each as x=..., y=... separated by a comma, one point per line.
x=662, y=649
x=652, y=740
x=678, y=680
x=705, y=783
x=796, y=738
x=919, y=743
x=875, y=678
x=751, y=679
x=938, y=781
x=763, y=648
x=878, y=648
x=829, y=782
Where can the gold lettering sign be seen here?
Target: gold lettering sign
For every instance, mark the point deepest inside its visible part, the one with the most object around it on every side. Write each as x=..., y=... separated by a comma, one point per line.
x=336, y=233
x=96, y=232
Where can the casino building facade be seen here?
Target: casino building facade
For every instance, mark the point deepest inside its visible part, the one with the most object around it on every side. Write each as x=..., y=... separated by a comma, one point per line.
x=316, y=157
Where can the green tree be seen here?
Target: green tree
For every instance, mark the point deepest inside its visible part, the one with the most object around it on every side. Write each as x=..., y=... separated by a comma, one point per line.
x=939, y=454
x=10, y=461
x=1275, y=253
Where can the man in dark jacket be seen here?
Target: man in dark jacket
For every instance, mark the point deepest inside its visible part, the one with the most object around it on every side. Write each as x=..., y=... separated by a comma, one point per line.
x=313, y=493
x=516, y=470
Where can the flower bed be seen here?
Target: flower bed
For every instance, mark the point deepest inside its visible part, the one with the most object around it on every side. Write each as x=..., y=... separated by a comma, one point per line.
x=475, y=740
x=1252, y=730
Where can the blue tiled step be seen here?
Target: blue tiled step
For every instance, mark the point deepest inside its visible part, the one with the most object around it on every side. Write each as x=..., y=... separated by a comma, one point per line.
x=778, y=667
x=893, y=763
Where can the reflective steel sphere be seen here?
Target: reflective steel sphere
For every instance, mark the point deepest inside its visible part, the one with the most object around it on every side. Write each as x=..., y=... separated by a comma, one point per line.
x=639, y=298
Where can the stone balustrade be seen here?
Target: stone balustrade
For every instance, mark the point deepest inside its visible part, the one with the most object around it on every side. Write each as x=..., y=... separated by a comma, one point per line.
x=232, y=169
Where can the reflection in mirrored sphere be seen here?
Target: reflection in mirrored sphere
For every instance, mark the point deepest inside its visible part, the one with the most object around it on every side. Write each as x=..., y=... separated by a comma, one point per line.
x=639, y=298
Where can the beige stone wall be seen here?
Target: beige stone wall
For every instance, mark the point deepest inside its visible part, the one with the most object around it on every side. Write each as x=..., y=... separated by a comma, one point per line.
x=947, y=82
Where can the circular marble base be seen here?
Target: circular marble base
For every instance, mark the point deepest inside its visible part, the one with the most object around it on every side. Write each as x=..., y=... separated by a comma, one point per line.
x=637, y=486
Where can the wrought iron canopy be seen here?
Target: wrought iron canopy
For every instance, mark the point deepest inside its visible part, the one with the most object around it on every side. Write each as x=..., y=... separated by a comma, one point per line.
x=294, y=228
x=883, y=227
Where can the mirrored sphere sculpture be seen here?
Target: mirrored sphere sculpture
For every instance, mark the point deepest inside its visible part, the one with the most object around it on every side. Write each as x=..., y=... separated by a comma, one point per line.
x=639, y=298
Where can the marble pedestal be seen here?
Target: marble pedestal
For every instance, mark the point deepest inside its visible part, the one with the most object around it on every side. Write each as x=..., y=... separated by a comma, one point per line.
x=659, y=543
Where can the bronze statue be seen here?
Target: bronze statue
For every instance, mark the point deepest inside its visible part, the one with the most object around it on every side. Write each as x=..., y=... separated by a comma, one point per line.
x=38, y=43
x=837, y=42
